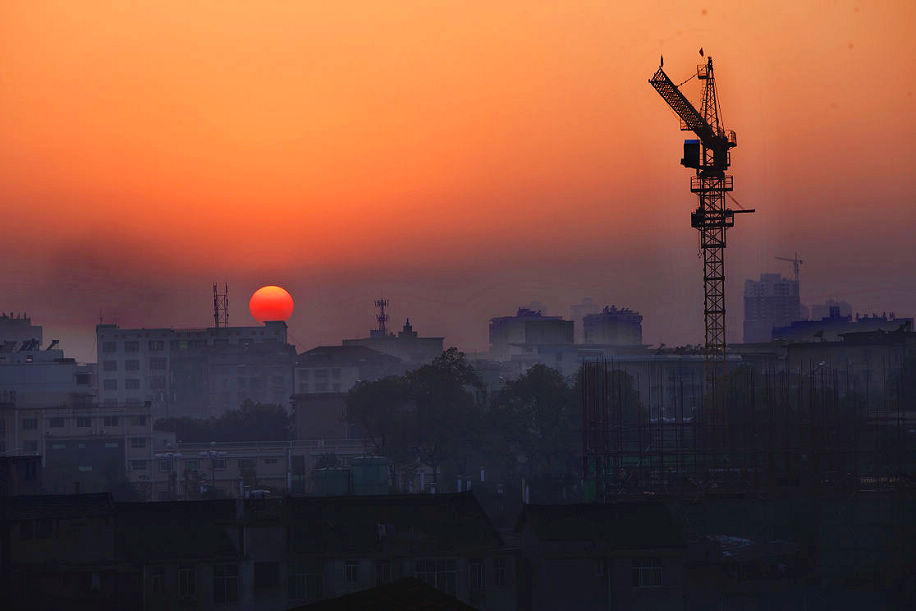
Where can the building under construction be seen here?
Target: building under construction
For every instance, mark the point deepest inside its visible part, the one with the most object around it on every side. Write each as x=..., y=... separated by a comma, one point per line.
x=828, y=418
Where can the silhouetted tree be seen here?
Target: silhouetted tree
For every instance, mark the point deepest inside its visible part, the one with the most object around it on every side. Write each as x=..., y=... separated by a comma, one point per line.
x=447, y=419
x=535, y=426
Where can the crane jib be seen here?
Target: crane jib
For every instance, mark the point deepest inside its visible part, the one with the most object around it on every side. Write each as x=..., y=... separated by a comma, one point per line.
x=684, y=109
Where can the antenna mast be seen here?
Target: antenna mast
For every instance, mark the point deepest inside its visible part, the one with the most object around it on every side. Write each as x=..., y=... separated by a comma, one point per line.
x=382, y=317
x=221, y=307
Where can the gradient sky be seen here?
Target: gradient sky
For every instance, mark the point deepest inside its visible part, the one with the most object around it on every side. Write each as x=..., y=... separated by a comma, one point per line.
x=460, y=158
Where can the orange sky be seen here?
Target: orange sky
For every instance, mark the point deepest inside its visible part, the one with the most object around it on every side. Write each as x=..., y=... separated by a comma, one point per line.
x=462, y=158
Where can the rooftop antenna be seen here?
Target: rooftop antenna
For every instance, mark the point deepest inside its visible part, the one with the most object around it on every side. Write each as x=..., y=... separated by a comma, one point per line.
x=221, y=306
x=382, y=317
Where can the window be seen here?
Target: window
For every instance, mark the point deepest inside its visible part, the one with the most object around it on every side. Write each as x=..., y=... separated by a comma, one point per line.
x=246, y=464
x=192, y=465
x=110, y=421
x=225, y=583
x=187, y=582
x=158, y=363
x=352, y=571
x=647, y=573
x=138, y=420
x=382, y=572
x=137, y=465
x=83, y=422
x=499, y=572
x=29, y=424
x=164, y=465
x=109, y=365
x=82, y=379
x=335, y=387
x=30, y=445
x=56, y=423
x=109, y=347
x=476, y=575
x=321, y=373
x=132, y=384
x=132, y=365
x=271, y=461
x=304, y=584
x=440, y=574
x=335, y=373
x=157, y=579
x=157, y=383
x=138, y=442
x=131, y=346
x=156, y=345
x=321, y=387
x=266, y=574
x=303, y=387
x=219, y=463
x=110, y=384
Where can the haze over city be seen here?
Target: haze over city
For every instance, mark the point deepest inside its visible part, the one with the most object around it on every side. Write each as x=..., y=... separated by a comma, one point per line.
x=460, y=159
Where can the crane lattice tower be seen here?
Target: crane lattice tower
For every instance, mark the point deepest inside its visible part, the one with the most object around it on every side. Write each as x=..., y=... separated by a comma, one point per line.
x=709, y=156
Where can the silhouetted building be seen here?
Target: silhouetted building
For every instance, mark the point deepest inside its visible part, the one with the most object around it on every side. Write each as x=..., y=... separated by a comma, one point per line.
x=20, y=475
x=339, y=368
x=17, y=331
x=832, y=327
x=407, y=345
x=528, y=328
x=601, y=556
x=613, y=327
x=32, y=376
x=771, y=302
x=822, y=310
x=90, y=448
x=83, y=551
x=197, y=373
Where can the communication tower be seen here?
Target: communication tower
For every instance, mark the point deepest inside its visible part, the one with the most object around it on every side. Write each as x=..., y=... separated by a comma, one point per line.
x=221, y=306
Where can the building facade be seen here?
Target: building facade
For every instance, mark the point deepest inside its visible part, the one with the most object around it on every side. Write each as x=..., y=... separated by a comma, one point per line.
x=770, y=302
x=513, y=334
x=613, y=327
x=197, y=373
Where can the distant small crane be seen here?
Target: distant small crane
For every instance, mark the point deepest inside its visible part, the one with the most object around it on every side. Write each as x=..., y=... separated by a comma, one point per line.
x=795, y=261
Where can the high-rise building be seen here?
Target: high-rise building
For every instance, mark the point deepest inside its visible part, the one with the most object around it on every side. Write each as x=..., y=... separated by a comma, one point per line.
x=769, y=303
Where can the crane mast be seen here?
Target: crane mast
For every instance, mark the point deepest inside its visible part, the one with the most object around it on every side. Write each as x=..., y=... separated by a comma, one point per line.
x=709, y=156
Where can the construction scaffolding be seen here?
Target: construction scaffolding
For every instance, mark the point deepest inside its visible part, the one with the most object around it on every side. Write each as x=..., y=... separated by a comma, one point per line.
x=808, y=430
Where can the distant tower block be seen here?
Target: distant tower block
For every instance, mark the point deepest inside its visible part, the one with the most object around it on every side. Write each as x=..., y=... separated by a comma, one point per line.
x=382, y=318
x=221, y=307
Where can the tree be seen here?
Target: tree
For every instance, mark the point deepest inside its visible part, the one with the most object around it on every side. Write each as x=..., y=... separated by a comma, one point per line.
x=447, y=418
x=536, y=424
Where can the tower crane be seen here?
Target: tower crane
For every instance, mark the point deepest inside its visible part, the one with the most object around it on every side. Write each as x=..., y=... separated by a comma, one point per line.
x=709, y=156
x=795, y=261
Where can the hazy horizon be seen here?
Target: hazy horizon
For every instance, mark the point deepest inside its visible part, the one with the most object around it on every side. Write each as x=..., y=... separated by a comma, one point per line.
x=461, y=161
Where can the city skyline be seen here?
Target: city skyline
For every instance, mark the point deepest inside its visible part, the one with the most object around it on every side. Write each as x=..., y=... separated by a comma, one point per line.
x=462, y=163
